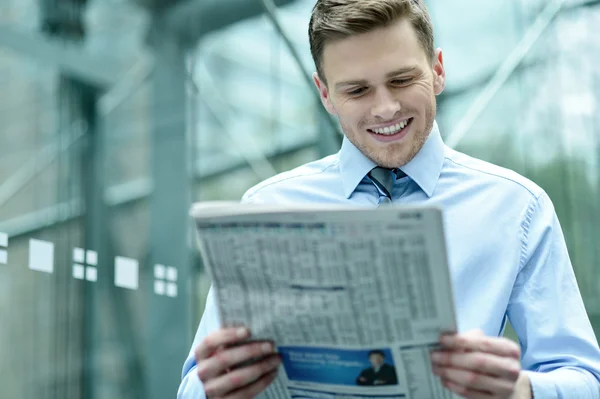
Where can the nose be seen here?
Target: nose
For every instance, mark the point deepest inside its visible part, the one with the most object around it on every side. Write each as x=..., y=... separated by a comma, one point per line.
x=385, y=106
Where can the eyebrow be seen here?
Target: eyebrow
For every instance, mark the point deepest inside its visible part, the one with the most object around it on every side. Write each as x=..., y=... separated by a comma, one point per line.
x=363, y=82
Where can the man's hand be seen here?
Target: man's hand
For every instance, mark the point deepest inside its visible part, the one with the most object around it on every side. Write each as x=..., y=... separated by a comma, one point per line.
x=479, y=367
x=231, y=369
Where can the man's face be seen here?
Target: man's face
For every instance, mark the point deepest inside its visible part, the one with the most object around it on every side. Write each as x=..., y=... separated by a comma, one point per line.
x=382, y=87
x=376, y=360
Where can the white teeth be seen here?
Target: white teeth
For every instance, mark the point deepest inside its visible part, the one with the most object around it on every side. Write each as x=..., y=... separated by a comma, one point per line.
x=393, y=129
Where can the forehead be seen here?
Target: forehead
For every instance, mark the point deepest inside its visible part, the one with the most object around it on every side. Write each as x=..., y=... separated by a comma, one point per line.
x=372, y=55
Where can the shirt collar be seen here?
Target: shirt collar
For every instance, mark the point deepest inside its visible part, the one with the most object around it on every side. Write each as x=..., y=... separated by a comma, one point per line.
x=424, y=169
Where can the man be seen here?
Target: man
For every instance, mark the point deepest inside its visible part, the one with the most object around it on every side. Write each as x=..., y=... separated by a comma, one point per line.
x=379, y=73
x=380, y=373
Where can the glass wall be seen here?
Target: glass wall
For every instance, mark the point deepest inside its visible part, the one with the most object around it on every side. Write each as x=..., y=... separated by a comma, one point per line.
x=105, y=125
x=542, y=121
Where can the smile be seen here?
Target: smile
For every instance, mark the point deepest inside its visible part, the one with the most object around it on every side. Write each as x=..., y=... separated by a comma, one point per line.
x=393, y=132
x=388, y=131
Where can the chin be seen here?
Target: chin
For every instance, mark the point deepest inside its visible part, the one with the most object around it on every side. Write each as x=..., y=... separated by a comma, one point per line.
x=392, y=156
x=388, y=155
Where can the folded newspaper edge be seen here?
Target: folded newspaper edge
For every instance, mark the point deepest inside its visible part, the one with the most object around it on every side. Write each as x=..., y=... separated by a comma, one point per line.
x=354, y=298
x=211, y=209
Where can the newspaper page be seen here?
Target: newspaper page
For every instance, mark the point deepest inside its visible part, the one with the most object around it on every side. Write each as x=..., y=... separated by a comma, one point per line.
x=354, y=299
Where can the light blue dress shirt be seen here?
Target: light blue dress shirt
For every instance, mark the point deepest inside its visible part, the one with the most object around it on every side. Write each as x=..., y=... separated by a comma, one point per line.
x=506, y=249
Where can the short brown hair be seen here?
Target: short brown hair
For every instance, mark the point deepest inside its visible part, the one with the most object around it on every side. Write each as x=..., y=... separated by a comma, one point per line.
x=338, y=19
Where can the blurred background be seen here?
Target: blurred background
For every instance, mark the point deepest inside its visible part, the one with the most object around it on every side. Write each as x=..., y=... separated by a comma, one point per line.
x=116, y=115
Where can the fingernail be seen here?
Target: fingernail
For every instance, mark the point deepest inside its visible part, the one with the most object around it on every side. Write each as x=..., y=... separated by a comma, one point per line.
x=267, y=348
x=242, y=332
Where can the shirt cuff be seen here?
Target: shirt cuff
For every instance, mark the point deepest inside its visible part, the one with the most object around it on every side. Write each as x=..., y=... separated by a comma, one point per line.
x=565, y=382
x=542, y=384
x=191, y=387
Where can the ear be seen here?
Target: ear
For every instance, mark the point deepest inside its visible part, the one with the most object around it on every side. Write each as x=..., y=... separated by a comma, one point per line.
x=324, y=94
x=439, y=73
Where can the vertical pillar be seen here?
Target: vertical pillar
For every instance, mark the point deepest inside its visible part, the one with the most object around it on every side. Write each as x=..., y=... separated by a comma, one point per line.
x=78, y=113
x=168, y=318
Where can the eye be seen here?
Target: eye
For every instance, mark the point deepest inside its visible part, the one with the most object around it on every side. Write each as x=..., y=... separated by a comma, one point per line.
x=357, y=92
x=401, y=81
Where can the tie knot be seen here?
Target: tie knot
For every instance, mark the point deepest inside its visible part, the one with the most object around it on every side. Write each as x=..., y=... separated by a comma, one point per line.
x=399, y=173
x=383, y=179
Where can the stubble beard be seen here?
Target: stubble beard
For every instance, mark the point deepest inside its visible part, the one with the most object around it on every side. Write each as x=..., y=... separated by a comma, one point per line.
x=394, y=155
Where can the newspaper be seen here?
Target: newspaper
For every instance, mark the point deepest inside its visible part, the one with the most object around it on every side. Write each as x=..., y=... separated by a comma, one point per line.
x=354, y=299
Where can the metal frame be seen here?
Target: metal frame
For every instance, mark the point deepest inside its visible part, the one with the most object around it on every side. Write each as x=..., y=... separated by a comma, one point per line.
x=174, y=30
x=36, y=165
x=131, y=193
x=170, y=199
x=332, y=137
x=248, y=150
x=192, y=20
x=506, y=70
x=69, y=59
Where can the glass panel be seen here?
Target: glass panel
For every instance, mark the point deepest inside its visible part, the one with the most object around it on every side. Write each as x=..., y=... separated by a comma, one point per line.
x=544, y=124
x=77, y=317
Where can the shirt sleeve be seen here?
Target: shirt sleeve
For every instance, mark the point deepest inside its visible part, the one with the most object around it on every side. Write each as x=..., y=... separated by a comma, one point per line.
x=191, y=386
x=559, y=349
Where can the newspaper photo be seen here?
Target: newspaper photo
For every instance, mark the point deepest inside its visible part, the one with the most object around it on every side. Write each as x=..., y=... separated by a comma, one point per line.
x=354, y=299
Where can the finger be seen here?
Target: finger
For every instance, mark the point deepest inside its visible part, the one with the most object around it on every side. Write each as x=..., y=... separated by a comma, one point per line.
x=212, y=342
x=470, y=333
x=483, y=363
x=465, y=392
x=229, y=358
x=226, y=384
x=476, y=381
x=254, y=389
x=495, y=345
x=475, y=333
